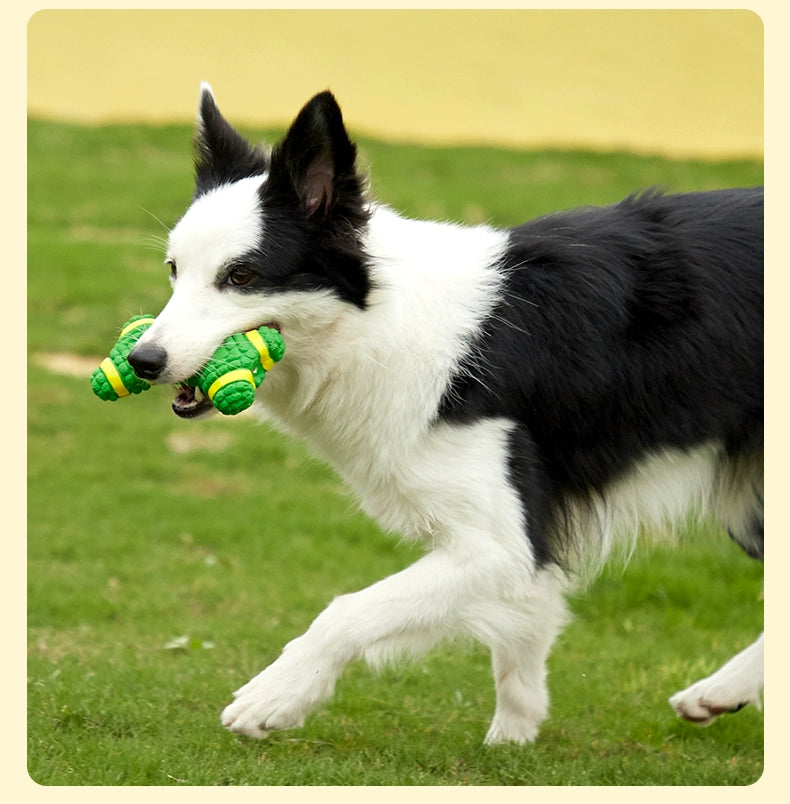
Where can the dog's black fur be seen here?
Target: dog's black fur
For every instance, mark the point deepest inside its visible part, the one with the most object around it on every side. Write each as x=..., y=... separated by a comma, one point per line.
x=623, y=330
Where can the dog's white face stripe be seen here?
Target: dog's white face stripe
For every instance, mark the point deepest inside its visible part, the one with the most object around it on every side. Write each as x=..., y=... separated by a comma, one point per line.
x=220, y=226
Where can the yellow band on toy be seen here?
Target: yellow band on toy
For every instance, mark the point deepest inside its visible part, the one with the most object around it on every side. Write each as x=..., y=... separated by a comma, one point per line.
x=113, y=377
x=254, y=337
x=139, y=323
x=231, y=376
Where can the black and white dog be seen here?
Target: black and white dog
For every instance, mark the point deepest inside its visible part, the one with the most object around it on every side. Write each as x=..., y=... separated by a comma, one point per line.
x=521, y=401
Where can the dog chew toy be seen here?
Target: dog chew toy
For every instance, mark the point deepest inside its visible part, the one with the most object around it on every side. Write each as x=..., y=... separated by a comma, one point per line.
x=238, y=367
x=115, y=378
x=229, y=380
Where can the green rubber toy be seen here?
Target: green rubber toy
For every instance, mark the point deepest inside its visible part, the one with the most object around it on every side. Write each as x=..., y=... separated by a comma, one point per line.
x=115, y=378
x=229, y=379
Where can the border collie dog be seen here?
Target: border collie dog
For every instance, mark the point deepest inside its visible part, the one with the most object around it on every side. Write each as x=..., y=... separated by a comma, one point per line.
x=521, y=401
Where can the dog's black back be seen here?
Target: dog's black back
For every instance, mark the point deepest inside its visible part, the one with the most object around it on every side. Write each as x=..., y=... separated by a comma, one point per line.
x=623, y=331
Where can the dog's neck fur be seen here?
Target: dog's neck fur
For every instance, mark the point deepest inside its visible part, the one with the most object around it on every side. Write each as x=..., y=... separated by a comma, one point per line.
x=398, y=351
x=401, y=337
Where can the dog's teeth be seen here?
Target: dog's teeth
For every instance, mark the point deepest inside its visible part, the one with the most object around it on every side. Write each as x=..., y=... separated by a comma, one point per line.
x=185, y=396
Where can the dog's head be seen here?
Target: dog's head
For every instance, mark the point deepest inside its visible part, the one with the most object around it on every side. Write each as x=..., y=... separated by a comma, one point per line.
x=270, y=238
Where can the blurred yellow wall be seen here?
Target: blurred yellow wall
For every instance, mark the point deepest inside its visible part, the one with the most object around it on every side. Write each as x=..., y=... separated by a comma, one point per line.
x=682, y=83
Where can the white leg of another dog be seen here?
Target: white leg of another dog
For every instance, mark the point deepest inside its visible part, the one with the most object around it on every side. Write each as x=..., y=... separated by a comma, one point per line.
x=731, y=687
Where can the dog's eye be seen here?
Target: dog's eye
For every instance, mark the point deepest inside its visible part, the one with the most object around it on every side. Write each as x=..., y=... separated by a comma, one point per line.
x=240, y=276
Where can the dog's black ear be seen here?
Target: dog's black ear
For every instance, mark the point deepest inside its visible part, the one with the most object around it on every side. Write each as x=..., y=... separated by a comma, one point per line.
x=222, y=155
x=316, y=156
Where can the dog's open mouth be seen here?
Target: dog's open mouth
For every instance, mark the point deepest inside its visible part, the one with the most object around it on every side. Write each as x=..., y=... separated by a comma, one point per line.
x=190, y=402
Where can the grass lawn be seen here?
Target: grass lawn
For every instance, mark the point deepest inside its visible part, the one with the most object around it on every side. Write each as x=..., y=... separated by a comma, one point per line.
x=169, y=561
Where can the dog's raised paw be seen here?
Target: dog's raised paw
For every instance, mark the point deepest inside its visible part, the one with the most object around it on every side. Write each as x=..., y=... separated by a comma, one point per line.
x=702, y=710
x=232, y=721
x=279, y=697
x=257, y=718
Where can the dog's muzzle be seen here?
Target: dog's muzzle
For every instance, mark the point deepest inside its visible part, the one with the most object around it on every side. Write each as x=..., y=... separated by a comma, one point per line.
x=148, y=361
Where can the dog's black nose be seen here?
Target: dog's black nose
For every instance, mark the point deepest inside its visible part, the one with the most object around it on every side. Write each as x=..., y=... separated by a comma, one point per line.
x=148, y=360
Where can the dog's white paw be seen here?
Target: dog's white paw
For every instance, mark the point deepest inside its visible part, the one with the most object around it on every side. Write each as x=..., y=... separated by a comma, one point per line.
x=280, y=697
x=730, y=688
x=517, y=720
x=255, y=715
x=511, y=730
x=703, y=702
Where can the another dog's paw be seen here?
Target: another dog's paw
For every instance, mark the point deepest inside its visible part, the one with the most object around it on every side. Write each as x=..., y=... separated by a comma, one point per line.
x=280, y=697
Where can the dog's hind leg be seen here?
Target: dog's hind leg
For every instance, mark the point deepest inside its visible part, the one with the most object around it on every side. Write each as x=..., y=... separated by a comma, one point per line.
x=730, y=688
x=740, y=681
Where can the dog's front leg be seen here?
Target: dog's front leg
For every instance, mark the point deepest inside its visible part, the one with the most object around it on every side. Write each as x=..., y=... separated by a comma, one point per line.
x=282, y=695
x=519, y=661
x=408, y=611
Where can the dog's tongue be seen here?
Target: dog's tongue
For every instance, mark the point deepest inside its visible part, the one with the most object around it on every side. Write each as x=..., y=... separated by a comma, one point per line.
x=188, y=403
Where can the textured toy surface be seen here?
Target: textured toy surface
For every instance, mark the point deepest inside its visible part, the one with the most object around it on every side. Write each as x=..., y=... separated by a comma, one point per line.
x=115, y=378
x=229, y=379
x=238, y=367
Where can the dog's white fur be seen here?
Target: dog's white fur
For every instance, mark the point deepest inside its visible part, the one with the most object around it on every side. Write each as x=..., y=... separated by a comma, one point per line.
x=738, y=682
x=361, y=387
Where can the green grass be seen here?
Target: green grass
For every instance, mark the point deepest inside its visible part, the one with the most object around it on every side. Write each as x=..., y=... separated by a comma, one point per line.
x=144, y=529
